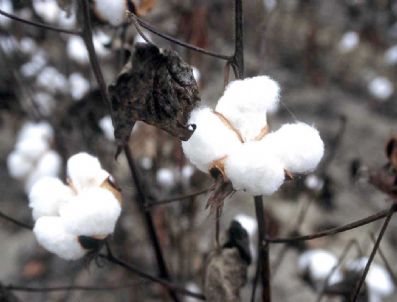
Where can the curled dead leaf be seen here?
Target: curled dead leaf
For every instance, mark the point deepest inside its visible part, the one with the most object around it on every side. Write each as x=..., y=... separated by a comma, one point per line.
x=156, y=87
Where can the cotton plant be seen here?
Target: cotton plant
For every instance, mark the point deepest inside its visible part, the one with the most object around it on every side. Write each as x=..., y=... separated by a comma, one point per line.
x=33, y=157
x=235, y=142
x=86, y=207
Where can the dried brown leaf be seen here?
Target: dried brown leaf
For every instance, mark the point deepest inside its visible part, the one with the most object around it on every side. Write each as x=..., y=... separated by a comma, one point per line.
x=156, y=87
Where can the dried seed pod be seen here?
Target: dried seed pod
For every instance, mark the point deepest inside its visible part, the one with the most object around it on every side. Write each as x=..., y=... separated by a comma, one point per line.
x=157, y=87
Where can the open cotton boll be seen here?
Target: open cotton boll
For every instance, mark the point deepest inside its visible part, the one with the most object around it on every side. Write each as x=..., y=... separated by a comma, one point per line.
x=381, y=88
x=298, y=146
x=47, y=195
x=27, y=45
x=50, y=234
x=79, y=85
x=32, y=148
x=85, y=171
x=111, y=11
x=378, y=279
x=165, y=177
x=245, y=104
x=319, y=264
x=248, y=223
x=41, y=130
x=76, y=50
x=47, y=9
x=18, y=165
x=52, y=80
x=348, y=42
x=107, y=128
x=254, y=169
x=93, y=212
x=37, y=62
x=48, y=165
x=211, y=140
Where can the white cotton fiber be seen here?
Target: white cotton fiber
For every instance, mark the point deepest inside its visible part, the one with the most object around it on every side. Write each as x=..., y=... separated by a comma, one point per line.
x=211, y=140
x=165, y=177
x=6, y=6
x=52, y=80
x=378, y=279
x=249, y=223
x=85, y=171
x=41, y=130
x=93, y=212
x=298, y=146
x=79, y=85
x=254, y=169
x=32, y=148
x=76, y=50
x=245, y=104
x=49, y=164
x=107, y=128
x=18, y=165
x=50, y=234
x=319, y=263
x=111, y=11
x=47, y=9
x=47, y=195
x=381, y=88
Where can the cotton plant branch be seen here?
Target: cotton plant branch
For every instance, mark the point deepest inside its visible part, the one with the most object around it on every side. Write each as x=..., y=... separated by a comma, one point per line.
x=40, y=25
x=16, y=222
x=383, y=229
x=153, y=204
x=334, y=231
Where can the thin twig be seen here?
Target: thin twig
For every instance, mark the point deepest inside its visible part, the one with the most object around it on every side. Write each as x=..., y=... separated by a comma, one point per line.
x=153, y=30
x=237, y=60
x=167, y=284
x=14, y=221
x=173, y=199
x=40, y=25
x=263, y=249
x=360, y=282
x=334, y=231
x=141, y=201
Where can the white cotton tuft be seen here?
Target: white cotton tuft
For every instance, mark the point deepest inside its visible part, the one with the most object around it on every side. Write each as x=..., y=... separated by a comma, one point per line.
x=313, y=182
x=165, y=177
x=49, y=165
x=381, y=88
x=27, y=45
x=18, y=165
x=348, y=42
x=187, y=172
x=107, y=128
x=319, y=264
x=111, y=11
x=47, y=9
x=248, y=223
x=6, y=6
x=47, y=196
x=37, y=62
x=50, y=234
x=79, y=85
x=245, y=104
x=41, y=130
x=45, y=102
x=196, y=73
x=390, y=56
x=76, y=50
x=211, y=140
x=254, y=169
x=32, y=147
x=378, y=279
x=85, y=171
x=298, y=146
x=52, y=80
x=93, y=212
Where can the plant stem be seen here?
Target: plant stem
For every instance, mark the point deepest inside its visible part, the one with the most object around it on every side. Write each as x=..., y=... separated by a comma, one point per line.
x=263, y=250
x=237, y=60
x=360, y=282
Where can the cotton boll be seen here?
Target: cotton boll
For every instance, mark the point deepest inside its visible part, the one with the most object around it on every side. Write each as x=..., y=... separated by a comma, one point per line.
x=100, y=39
x=245, y=104
x=37, y=62
x=31, y=147
x=348, y=42
x=27, y=45
x=6, y=6
x=18, y=165
x=8, y=44
x=378, y=279
x=107, y=128
x=187, y=172
x=111, y=11
x=66, y=19
x=319, y=264
x=45, y=102
x=76, y=50
x=47, y=195
x=50, y=234
x=165, y=177
x=79, y=85
x=41, y=130
x=381, y=88
x=390, y=56
x=254, y=169
x=84, y=171
x=298, y=146
x=93, y=212
x=52, y=80
x=248, y=223
x=211, y=140
x=47, y=9
x=313, y=182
